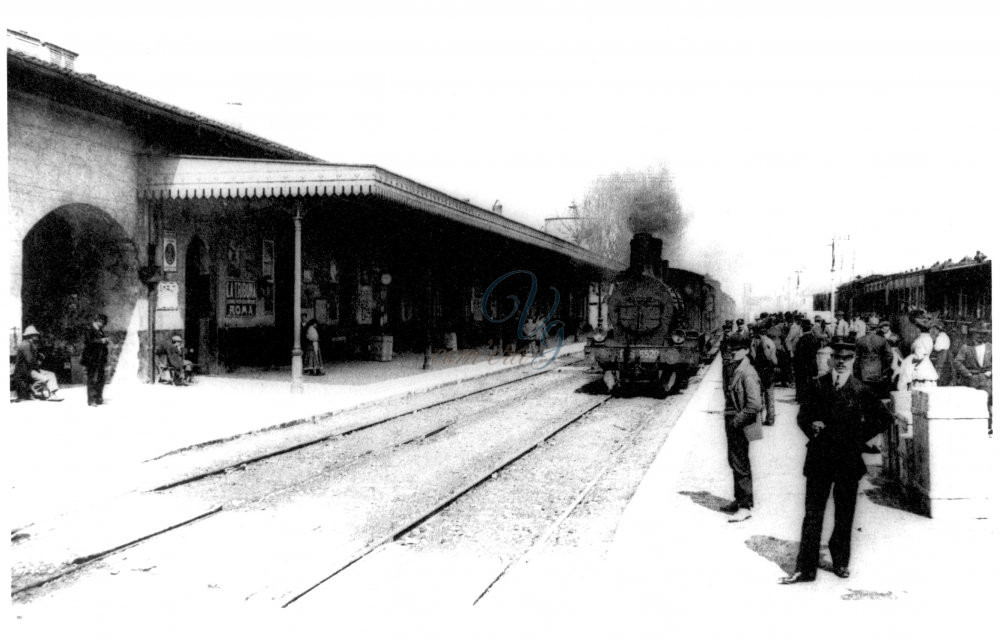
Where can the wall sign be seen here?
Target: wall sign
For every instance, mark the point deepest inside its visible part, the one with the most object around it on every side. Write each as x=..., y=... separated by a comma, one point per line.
x=169, y=253
x=241, y=298
x=166, y=296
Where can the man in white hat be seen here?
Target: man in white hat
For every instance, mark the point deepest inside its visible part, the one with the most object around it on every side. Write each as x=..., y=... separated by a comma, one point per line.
x=29, y=378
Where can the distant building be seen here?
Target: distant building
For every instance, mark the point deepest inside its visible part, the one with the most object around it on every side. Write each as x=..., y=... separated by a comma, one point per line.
x=47, y=51
x=562, y=227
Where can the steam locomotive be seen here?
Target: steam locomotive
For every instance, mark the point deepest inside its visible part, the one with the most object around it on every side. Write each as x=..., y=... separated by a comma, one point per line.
x=663, y=322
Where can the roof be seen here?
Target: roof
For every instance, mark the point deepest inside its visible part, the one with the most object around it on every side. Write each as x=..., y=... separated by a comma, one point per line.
x=19, y=60
x=191, y=177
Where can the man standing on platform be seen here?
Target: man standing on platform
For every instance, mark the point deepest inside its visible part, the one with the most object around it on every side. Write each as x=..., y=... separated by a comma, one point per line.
x=741, y=329
x=805, y=359
x=873, y=361
x=838, y=415
x=839, y=328
x=764, y=358
x=95, y=359
x=741, y=386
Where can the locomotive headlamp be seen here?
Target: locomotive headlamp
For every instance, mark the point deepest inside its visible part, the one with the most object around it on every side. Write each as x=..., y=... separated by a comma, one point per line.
x=677, y=337
x=600, y=337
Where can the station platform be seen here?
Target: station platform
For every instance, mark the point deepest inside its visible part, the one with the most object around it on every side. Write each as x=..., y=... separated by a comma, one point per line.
x=62, y=456
x=677, y=567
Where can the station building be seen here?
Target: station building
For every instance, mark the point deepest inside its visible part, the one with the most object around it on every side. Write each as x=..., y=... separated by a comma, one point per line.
x=120, y=204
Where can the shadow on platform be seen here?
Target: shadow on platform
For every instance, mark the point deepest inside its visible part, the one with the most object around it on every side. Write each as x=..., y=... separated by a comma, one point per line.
x=888, y=493
x=784, y=552
x=706, y=499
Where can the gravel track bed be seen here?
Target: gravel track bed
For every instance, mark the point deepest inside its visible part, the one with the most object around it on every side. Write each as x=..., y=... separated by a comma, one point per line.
x=211, y=456
x=455, y=555
x=294, y=538
x=325, y=460
x=591, y=526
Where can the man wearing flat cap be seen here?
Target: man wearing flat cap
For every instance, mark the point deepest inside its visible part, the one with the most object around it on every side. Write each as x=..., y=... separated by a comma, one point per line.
x=742, y=389
x=974, y=364
x=741, y=329
x=839, y=328
x=838, y=416
x=873, y=361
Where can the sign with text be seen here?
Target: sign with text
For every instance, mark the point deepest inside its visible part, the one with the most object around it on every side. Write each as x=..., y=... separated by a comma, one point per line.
x=167, y=296
x=241, y=298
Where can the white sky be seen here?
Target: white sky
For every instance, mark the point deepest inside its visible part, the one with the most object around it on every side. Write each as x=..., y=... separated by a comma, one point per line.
x=783, y=123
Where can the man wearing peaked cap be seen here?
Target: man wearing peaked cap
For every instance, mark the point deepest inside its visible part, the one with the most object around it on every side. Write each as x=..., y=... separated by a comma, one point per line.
x=741, y=386
x=838, y=415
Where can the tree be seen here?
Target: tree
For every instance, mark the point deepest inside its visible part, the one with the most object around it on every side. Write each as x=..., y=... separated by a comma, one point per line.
x=622, y=204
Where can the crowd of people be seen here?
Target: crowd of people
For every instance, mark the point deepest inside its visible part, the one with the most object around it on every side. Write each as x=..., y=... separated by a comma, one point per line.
x=842, y=371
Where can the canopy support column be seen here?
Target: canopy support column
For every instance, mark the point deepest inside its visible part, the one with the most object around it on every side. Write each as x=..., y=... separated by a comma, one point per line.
x=297, y=303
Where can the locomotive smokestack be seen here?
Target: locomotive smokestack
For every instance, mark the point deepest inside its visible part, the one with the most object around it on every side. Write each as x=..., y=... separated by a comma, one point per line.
x=645, y=255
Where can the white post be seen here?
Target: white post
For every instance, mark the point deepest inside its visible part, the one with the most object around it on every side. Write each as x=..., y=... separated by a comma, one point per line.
x=297, y=303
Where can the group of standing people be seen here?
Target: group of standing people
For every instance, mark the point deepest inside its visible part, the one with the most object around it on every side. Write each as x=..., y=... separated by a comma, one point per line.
x=842, y=370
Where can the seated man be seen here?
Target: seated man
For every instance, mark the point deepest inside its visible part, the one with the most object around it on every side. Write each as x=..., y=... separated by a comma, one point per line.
x=30, y=381
x=171, y=359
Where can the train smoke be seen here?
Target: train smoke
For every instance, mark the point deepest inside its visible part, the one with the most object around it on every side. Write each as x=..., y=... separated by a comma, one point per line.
x=620, y=205
x=652, y=206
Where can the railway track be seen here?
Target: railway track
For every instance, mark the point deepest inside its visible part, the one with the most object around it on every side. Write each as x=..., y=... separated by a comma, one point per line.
x=403, y=512
x=52, y=570
x=408, y=525
x=242, y=463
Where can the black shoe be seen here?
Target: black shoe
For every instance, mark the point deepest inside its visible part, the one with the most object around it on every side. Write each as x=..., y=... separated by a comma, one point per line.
x=730, y=508
x=797, y=578
x=841, y=571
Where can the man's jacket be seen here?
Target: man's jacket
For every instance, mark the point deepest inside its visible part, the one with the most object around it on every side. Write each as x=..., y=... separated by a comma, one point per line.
x=744, y=399
x=873, y=361
x=852, y=415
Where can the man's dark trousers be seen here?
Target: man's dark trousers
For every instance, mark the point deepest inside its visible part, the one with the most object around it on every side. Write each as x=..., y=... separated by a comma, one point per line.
x=738, y=450
x=95, y=385
x=845, y=494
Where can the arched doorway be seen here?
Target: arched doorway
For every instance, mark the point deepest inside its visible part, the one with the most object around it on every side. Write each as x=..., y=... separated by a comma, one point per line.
x=77, y=261
x=198, y=310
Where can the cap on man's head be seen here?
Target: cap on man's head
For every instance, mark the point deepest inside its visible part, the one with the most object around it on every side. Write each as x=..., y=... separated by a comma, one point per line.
x=818, y=318
x=873, y=321
x=841, y=345
x=31, y=330
x=883, y=324
x=740, y=321
x=923, y=323
x=176, y=338
x=736, y=342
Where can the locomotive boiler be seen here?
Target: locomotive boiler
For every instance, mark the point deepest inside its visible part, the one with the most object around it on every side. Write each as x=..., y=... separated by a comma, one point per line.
x=657, y=330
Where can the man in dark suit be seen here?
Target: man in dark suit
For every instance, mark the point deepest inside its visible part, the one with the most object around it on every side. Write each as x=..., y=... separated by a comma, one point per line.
x=805, y=359
x=838, y=415
x=873, y=362
x=974, y=365
x=95, y=358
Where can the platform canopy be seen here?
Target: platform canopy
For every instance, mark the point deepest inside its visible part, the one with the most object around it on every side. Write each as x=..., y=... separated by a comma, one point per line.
x=188, y=177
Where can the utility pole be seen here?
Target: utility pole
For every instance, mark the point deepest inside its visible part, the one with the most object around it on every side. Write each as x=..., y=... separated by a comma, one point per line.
x=798, y=281
x=833, y=270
